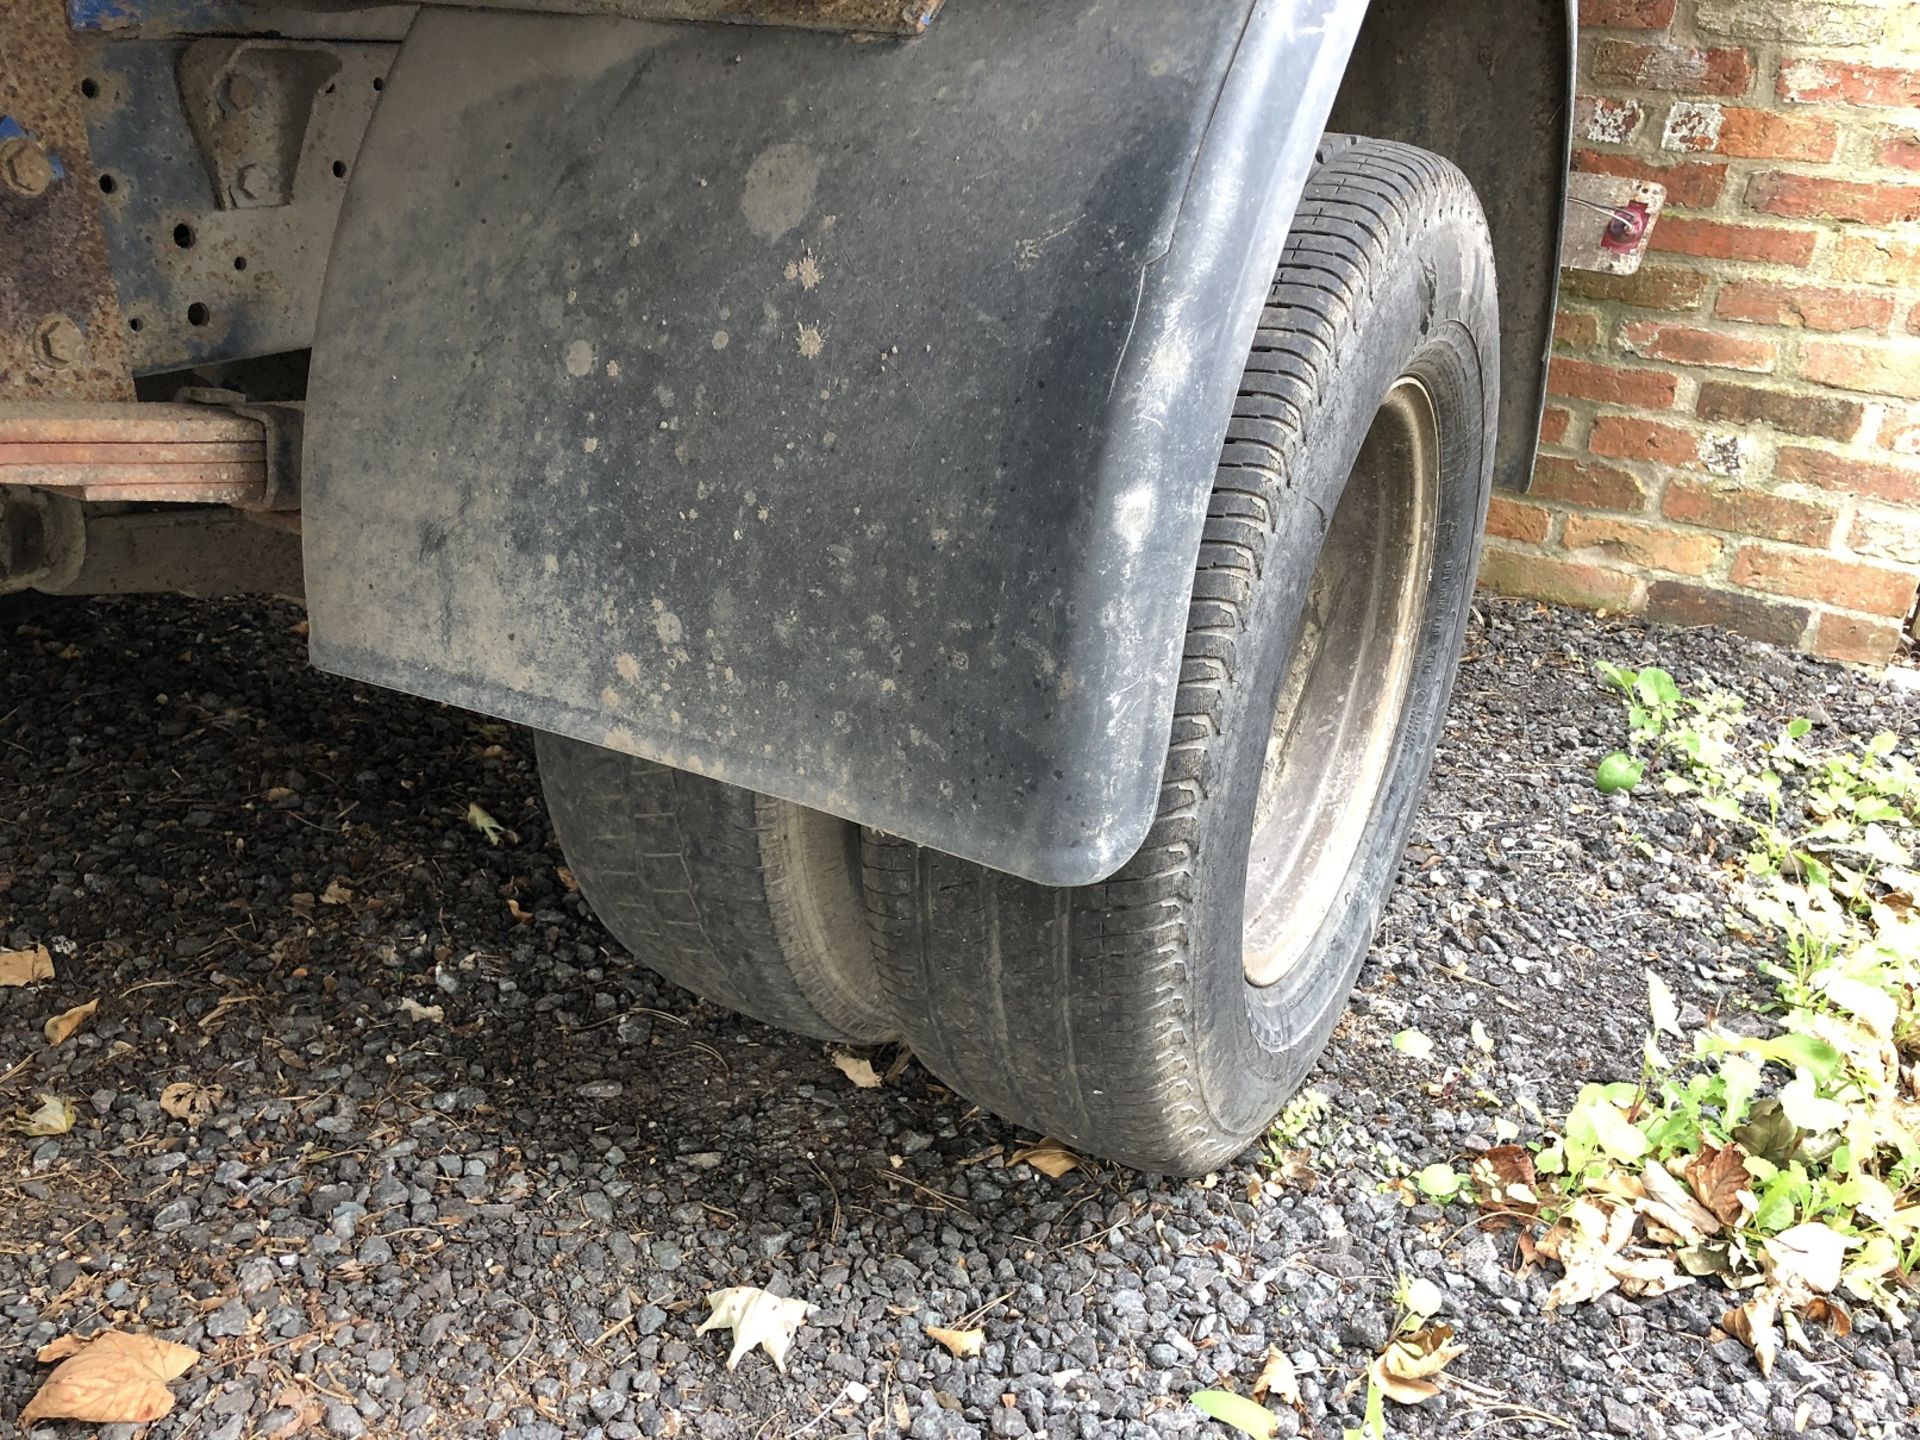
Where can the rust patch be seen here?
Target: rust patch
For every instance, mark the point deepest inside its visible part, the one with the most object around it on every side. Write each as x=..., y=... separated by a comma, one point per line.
x=61, y=334
x=879, y=17
x=107, y=451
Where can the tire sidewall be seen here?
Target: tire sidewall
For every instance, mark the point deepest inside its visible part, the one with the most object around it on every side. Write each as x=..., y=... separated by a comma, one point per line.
x=1433, y=317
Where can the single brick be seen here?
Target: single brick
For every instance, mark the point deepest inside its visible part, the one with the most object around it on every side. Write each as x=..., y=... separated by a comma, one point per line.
x=1865, y=642
x=1824, y=81
x=1684, y=69
x=1889, y=368
x=1847, y=475
x=1654, y=287
x=1687, y=345
x=1628, y=14
x=1900, y=149
x=1827, y=417
x=1605, y=120
x=1579, y=329
x=1628, y=437
x=1693, y=184
x=1582, y=482
x=1813, y=197
x=1876, y=260
x=1612, y=384
x=1674, y=602
x=1900, y=431
x=1766, y=135
x=1656, y=547
x=1560, y=582
x=1811, y=575
x=1882, y=536
x=1718, y=240
x=1741, y=511
x=1553, y=425
x=1802, y=22
x=1512, y=519
x=1770, y=302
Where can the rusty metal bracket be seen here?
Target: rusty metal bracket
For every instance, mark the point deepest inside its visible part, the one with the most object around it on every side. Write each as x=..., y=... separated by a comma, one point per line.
x=61, y=334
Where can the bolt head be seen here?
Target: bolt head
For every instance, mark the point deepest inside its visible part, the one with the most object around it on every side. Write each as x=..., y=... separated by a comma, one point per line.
x=254, y=182
x=241, y=91
x=25, y=168
x=58, y=343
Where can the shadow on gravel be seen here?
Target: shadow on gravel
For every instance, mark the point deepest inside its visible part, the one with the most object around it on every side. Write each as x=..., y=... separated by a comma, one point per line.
x=471, y=1170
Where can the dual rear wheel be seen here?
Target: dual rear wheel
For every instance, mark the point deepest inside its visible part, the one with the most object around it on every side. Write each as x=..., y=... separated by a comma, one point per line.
x=1162, y=1016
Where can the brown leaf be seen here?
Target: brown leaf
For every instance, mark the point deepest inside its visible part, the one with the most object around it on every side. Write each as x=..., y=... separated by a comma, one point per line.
x=1824, y=1310
x=520, y=916
x=112, y=1379
x=189, y=1102
x=1752, y=1325
x=25, y=967
x=1503, y=1179
x=60, y=1027
x=1049, y=1157
x=964, y=1344
x=1717, y=1177
x=52, y=1116
x=565, y=877
x=1668, y=1205
x=1277, y=1378
x=1404, y=1371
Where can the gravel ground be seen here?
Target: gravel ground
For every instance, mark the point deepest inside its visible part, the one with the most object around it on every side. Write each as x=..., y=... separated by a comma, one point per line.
x=504, y=1221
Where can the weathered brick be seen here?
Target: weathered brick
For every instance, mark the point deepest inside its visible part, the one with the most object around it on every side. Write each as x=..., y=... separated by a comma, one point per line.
x=1876, y=260
x=1583, y=482
x=1675, y=602
x=1827, y=417
x=1900, y=431
x=1606, y=120
x=1886, y=536
x=1655, y=547
x=1887, y=368
x=1628, y=437
x=1653, y=287
x=1770, y=302
x=1693, y=184
x=1512, y=519
x=1553, y=424
x=1900, y=149
x=1815, y=197
x=1611, y=384
x=1803, y=22
x=1826, y=81
x=1865, y=642
x=1578, y=329
x=1688, y=345
x=1685, y=69
x=1749, y=134
x=1628, y=14
x=1719, y=240
x=1561, y=582
x=1848, y=475
x=1812, y=575
x=1741, y=511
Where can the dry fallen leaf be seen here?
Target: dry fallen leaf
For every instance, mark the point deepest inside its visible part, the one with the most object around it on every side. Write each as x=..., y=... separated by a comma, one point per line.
x=335, y=894
x=112, y=1379
x=418, y=1013
x=1586, y=1243
x=964, y=1344
x=1503, y=1179
x=520, y=916
x=189, y=1102
x=1807, y=1257
x=25, y=967
x=61, y=1026
x=1752, y=1325
x=480, y=820
x=565, y=877
x=1717, y=1178
x=1668, y=1205
x=53, y=1116
x=756, y=1318
x=1049, y=1157
x=858, y=1069
x=1404, y=1371
x=1277, y=1378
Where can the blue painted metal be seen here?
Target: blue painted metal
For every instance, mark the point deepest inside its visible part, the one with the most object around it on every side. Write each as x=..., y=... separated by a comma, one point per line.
x=11, y=128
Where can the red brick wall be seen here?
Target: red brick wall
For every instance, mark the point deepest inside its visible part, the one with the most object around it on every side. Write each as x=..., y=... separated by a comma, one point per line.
x=1733, y=435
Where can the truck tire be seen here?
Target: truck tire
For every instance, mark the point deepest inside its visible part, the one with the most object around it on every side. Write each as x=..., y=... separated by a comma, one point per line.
x=1162, y=1016
x=745, y=900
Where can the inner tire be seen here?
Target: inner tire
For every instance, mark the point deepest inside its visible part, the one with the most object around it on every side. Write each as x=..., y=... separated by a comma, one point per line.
x=1163, y=1016
x=746, y=900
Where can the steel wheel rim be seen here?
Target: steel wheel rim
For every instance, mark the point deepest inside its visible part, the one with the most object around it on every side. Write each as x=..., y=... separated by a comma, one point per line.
x=1332, y=743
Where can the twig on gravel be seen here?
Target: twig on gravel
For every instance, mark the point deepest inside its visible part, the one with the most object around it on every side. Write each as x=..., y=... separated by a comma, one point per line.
x=947, y=1202
x=825, y=1410
x=833, y=1230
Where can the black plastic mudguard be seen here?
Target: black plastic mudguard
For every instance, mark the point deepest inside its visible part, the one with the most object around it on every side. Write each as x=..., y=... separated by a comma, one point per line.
x=835, y=419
